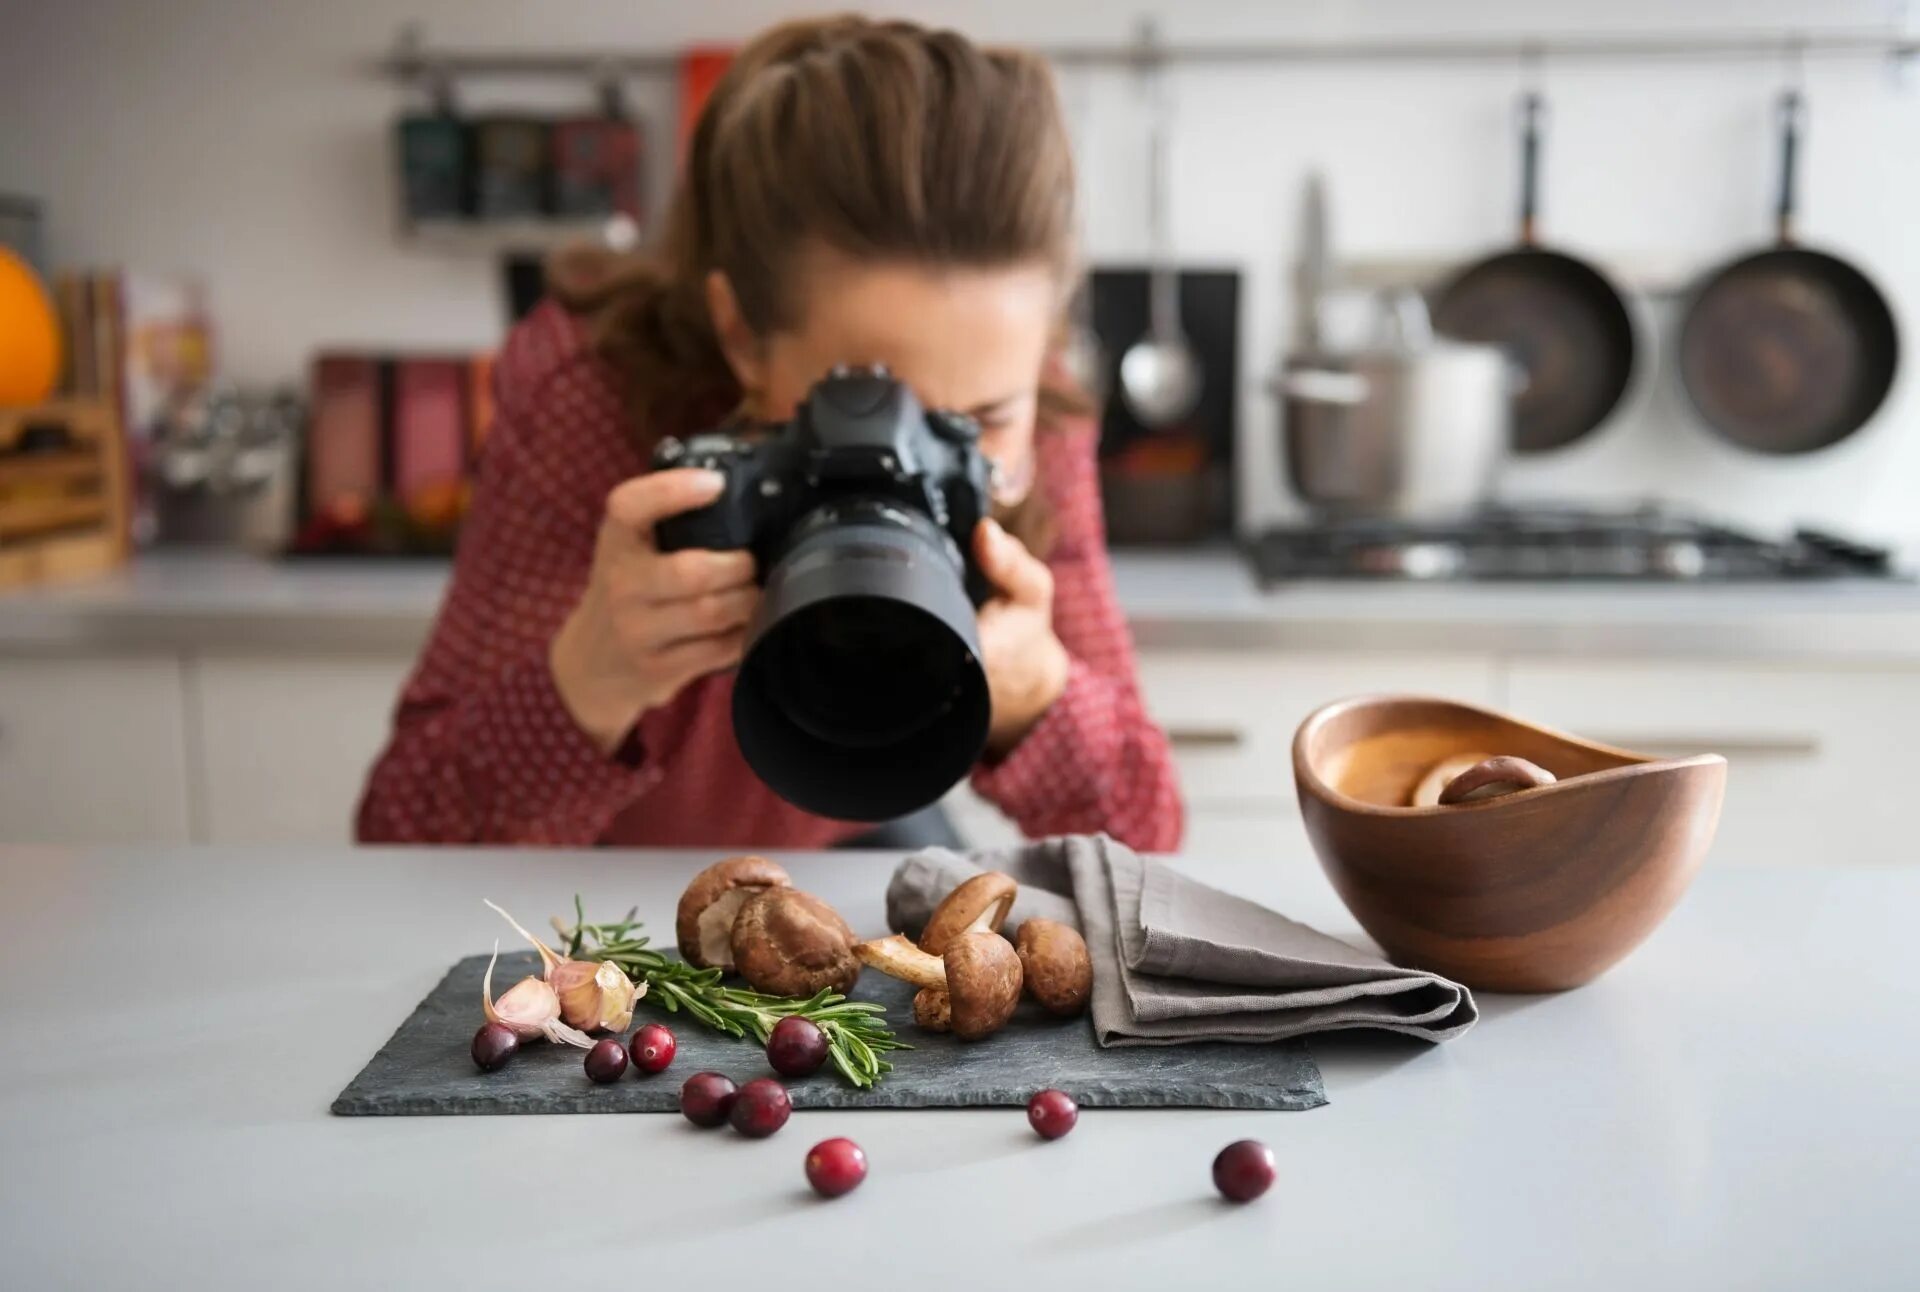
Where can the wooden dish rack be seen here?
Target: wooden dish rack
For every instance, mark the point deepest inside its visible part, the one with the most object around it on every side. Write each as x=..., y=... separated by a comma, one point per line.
x=64, y=494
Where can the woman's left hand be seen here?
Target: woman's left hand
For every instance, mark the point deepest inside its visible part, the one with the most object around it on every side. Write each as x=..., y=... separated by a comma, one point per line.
x=1026, y=664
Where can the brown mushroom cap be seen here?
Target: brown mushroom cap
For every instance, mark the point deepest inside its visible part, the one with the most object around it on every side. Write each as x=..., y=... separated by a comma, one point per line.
x=790, y=943
x=703, y=925
x=1427, y=792
x=978, y=906
x=1054, y=960
x=1493, y=778
x=933, y=1009
x=983, y=983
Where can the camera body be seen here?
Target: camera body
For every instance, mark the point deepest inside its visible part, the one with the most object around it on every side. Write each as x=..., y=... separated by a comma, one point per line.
x=861, y=443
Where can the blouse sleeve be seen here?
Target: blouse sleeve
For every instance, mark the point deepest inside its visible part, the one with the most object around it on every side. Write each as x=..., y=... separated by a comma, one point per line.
x=1095, y=761
x=483, y=749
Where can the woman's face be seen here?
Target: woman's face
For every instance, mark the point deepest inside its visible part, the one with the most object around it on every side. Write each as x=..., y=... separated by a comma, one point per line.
x=972, y=340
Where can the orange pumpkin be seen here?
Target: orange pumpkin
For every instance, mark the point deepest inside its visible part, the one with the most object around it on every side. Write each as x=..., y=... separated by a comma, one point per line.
x=29, y=335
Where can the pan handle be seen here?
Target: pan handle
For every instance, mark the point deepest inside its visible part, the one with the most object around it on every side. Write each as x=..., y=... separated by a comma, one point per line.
x=1793, y=113
x=1532, y=109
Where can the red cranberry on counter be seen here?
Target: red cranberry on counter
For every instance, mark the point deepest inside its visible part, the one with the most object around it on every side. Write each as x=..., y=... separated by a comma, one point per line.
x=796, y=1047
x=836, y=1166
x=652, y=1048
x=761, y=1109
x=1244, y=1170
x=706, y=1098
x=1052, y=1113
x=606, y=1061
x=493, y=1045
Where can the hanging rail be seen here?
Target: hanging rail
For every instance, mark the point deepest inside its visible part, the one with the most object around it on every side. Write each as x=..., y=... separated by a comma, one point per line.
x=411, y=57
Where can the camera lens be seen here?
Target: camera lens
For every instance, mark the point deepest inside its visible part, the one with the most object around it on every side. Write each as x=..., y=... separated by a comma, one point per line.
x=861, y=696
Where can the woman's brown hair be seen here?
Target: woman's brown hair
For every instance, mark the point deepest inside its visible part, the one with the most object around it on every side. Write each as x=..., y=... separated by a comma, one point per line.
x=880, y=140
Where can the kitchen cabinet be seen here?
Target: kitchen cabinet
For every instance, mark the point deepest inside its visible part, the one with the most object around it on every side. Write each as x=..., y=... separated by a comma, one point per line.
x=286, y=742
x=93, y=749
x=1820, y=762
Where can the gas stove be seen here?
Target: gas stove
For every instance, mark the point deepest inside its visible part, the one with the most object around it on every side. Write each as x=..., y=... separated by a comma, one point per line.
x=1652, y=544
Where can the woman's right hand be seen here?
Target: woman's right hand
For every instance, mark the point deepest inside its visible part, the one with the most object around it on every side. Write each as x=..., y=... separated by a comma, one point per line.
x=649, y=621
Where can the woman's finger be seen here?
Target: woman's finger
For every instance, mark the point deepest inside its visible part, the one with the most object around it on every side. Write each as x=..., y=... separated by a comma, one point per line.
x=687, y=660
x=639, y=504
x=676, y=576
x=1009, y=566
x=710, y=614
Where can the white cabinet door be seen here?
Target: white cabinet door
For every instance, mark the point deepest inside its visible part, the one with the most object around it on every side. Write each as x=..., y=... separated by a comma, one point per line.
x=1231, y=715
x=92, y=750
x=287, y=739
x=1820, y=759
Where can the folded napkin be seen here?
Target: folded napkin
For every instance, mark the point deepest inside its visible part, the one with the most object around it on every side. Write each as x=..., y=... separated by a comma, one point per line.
x=1176, y=961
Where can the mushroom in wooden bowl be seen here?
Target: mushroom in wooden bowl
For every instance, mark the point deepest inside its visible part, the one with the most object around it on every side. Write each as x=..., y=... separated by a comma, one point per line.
x=1508, y=856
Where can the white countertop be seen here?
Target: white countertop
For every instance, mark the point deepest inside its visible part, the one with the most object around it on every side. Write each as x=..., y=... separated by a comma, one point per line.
x=1202, y=599
x=1734, y=1106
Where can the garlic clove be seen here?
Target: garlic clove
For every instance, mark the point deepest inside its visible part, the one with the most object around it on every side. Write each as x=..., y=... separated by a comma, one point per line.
x=526, y=1007
x=617, y=996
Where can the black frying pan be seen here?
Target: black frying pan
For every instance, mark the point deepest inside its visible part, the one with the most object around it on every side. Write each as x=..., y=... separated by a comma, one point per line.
x=1562, y=320
x=1788, y=350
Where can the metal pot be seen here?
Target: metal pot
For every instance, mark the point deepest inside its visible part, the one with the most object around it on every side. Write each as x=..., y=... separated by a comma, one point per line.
x=1413, y=426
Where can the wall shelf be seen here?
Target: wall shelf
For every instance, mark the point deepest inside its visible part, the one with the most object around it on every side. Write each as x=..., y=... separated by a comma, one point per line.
x=412, y=58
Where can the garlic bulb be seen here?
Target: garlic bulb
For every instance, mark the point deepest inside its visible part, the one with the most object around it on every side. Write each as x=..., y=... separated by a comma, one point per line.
x=592, y=996
x=530, y=1009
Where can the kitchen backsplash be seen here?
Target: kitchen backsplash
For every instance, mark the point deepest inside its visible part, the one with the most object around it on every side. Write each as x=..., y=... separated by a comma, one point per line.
x=286, y=208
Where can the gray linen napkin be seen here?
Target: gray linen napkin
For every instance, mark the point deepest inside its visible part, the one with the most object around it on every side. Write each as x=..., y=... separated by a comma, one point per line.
x=1176, y=961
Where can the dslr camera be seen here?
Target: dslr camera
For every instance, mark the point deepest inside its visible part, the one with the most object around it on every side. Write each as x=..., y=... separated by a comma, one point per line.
x=861, y=695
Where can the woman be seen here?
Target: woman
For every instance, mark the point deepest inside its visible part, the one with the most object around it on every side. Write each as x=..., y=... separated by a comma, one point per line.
x=855, y=192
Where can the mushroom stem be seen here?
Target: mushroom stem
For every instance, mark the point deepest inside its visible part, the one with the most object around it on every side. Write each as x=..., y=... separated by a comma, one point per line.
x=897, y=957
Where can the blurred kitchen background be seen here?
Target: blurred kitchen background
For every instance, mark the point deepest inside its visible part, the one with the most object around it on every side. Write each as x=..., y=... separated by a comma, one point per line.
x=267, y=251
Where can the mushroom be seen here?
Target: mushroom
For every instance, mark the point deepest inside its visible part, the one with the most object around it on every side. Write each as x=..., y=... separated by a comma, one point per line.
x=704, y=923
x=1427, y=792
x=1055, y=964
x=972, y=989
x=1493, y=778
x=979, y=905
x=790, y=943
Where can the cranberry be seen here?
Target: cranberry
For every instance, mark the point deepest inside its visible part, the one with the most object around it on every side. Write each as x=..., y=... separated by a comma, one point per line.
x=1052, y=1113
x=493, y=1045
x=836, y=1166
x=796, y=1047
x=652, y=1047
x=761, y=1109
x=1244, y=1170
x=706, y=1098
x=606, y=1061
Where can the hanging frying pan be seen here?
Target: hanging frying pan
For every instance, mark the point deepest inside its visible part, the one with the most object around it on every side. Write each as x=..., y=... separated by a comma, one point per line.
x=1787, y=349
x=1564, y=323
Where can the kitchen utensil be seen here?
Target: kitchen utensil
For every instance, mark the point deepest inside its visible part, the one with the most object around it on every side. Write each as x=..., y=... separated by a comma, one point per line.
x=1160, y=375
x=1564, y=322
x=1414, y=426
x=597, y=159
x=1313, y=274
x=1788, y=349
x=436, y=156
x=424, y=1069
x=512, y=167
x=1537, y=891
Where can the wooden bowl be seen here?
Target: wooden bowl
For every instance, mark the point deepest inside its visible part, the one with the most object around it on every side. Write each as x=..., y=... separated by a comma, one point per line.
x=1537, y=891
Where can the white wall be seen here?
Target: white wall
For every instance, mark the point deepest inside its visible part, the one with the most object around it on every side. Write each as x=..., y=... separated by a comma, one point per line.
x=248, y=142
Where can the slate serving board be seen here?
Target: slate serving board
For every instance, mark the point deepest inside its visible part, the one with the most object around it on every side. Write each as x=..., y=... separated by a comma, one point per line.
x=424, y=1069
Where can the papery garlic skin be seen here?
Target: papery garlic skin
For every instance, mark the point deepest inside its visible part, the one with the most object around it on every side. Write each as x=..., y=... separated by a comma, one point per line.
x=618, y=993
x=591, y=995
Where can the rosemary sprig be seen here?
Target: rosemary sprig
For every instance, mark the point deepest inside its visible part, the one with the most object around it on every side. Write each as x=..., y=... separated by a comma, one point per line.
x=856, y=1031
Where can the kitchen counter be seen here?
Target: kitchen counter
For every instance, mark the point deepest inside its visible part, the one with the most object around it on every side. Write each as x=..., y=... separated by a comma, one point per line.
x=1203, y=599
x=1731, y=1107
